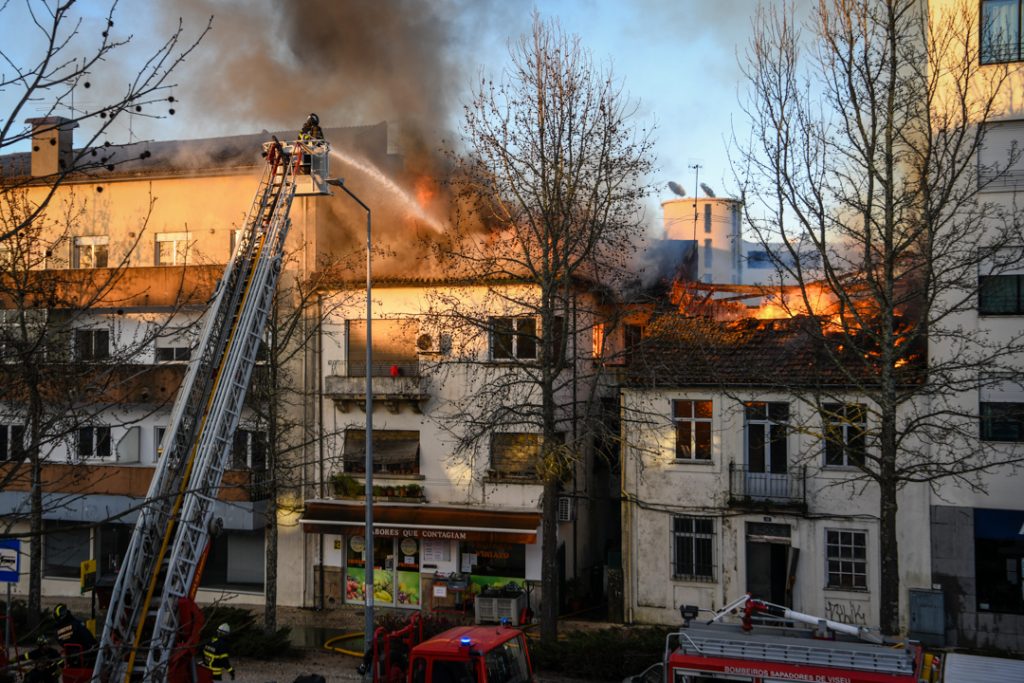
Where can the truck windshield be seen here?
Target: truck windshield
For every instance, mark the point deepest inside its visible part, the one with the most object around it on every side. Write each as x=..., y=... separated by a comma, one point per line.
x=507, y=663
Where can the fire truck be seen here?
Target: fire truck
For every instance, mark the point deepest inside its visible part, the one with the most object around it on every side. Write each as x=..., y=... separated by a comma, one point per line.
x=464, y=654
x=830, y=652
x=152, y=626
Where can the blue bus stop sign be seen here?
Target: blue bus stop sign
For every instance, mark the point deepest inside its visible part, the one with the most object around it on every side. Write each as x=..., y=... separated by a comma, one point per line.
x=10, y=560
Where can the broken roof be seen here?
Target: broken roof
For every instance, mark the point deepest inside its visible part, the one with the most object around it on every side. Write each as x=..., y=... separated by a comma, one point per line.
x=680, y=351
x=197, y=157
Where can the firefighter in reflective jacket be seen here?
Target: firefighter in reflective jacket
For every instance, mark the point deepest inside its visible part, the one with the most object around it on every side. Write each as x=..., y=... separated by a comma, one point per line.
x=77, y=642
x=215, y=654
x=46, y=663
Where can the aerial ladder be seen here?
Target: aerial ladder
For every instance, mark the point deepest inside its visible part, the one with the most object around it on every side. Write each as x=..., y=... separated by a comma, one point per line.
x=163, y=563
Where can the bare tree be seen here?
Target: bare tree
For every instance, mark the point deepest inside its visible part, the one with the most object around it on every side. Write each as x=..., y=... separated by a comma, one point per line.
x=551, y=180
x=866, y=134
x=67, y=63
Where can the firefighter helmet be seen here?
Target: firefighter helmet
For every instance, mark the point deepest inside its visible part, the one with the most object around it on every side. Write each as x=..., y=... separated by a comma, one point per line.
x=314, y=119
x=224, y=630
x=60, y=611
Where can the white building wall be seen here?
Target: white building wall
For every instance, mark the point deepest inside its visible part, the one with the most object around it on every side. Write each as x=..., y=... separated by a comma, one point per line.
x=656, y=486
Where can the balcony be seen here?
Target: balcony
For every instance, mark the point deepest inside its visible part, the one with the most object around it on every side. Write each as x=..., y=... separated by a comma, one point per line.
x=767, y=490
x=396, y=382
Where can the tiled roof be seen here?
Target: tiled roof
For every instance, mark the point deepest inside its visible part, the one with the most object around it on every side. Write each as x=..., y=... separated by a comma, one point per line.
x=680, y=351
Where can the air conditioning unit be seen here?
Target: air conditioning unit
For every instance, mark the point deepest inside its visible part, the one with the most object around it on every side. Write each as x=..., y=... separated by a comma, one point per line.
x=566, y=509
x=428, y=343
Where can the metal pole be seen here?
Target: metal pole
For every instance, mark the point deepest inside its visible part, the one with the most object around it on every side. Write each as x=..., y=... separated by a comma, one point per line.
x=368, y=540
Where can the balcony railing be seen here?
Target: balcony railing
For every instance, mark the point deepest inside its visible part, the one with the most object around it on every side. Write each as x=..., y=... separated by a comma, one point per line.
x=749, y=487
x=381, y=367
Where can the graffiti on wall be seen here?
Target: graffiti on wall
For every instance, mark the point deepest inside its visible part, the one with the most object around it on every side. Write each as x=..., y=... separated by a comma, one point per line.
x=845, y=612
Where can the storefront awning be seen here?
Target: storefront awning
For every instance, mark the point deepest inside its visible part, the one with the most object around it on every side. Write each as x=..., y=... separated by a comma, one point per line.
x=422, y=521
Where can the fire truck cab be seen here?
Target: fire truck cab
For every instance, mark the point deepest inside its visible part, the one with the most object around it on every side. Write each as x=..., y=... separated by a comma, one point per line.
x=464, y=654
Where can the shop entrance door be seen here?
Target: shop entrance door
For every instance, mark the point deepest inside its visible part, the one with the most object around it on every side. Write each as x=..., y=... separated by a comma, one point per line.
x=396, y=572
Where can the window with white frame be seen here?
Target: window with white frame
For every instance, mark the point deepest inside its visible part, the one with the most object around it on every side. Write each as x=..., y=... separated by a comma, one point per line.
x=513, y=338
x=174, y=347
x=692, y=421
x=767, y=442
x=158, y=439
x=693, y=541
x=93, y=442
x=846, y=557
x=1001, y=31
x=171, y=248
x=12, y=441
x=92, y=345
x=1002, y=421
x=90, y=251
x=845, y=434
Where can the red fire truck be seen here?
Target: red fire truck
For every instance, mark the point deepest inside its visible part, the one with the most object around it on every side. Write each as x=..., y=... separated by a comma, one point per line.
x=464, y=654
x=832, y=652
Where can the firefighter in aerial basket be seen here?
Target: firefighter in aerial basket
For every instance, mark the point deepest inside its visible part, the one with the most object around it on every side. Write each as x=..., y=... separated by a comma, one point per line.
x=310, y=131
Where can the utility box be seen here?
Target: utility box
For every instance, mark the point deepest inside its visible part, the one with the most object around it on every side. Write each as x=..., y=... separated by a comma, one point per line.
x=491, y=610
x=928, y=617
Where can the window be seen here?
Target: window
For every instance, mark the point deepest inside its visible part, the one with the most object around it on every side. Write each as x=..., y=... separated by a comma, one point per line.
x=92, y=345
x=515, y=455
x=633, y=337
x=693, y=429
x=1000, y=31
x=1002, y=422
x=158, y=438
x=692, y=548
x=12, y=441
x=845, y=428
x=394, y=348
x=1001, y=295
x=172, y=354
x=513, y=338
x=999, y=560
x=94, y=442
x=395, y=451
x=767, y=436
x=249, y=450
x=90, y=252
x=171, y=248
x=112, y=542
x=707, y=218
x=846, y=559
x=708, y=253
x=65, y=547
x=236, y=560
x=759, y=259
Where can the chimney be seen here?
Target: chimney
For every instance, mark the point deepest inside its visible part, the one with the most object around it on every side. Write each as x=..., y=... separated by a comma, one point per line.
x=52, y=151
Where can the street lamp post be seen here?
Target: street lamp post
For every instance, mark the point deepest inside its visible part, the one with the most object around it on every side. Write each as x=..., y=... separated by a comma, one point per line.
x=368, y=534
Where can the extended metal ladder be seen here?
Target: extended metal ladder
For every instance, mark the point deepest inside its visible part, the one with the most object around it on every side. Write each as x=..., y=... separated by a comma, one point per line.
x=173, y=528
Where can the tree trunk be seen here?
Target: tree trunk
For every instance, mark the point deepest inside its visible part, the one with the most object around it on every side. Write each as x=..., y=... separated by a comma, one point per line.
x=35, y=578
x=270, y=583
x=888, y=546
x=549, y=563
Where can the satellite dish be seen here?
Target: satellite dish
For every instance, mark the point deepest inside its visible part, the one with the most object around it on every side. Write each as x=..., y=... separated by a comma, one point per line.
x=707, y=190
x=425, y=343
x=676, y=188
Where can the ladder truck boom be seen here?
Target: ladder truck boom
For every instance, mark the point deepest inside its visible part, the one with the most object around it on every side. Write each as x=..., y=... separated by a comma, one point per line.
x=167, y=549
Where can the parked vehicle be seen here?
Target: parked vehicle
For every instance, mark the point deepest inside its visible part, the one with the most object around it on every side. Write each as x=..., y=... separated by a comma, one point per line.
x=831, y=652
x=464, y=654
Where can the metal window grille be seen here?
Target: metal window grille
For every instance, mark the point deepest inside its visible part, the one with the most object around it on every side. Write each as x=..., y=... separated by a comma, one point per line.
x=846, y=558
x=693, y=541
